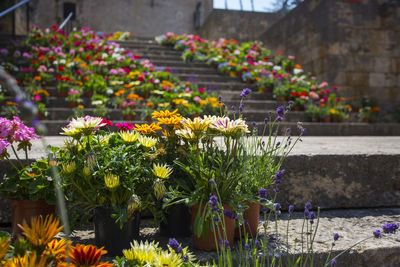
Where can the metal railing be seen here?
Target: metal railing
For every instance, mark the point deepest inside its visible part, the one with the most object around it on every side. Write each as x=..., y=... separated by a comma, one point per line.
x=11, y=9
x=66, y=20
x=8, y=10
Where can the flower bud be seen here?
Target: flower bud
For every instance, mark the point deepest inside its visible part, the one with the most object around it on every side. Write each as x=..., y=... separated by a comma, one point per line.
x=159, y=189
x=69, y=168
x=111, y=180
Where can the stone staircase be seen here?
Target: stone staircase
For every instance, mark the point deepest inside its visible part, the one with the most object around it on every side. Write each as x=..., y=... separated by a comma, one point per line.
x=257, y=105
x=330, y=168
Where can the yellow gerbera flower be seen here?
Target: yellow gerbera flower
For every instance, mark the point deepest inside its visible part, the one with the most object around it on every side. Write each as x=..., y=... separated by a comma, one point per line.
x=144, y=253
x=41, y=231
x=166, y=258
x=4, y=246
x=129, y=136
x=174, y=120
x=28, y=260
x=147, y=128
x=164, y=114
x=161, y=171
x=198, y=125
x=111, y=180
x=147, y=141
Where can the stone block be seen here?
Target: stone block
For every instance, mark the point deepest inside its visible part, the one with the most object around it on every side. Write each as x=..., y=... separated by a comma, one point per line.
x=376, y=79
x=357, y=78
x=342, y=181
x=382, y=64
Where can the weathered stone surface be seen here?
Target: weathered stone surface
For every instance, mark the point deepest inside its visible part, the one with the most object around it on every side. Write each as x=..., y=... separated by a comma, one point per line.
x=351, y=225
x=348, y=44
x=240, y=25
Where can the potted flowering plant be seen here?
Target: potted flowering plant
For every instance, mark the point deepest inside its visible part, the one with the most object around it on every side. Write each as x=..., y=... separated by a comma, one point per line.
x=208, y=162
x=98, y=180
x=29, y=186
x=74, y=97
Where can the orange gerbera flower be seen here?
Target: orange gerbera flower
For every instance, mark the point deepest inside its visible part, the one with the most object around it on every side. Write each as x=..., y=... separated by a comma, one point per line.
x=10, y=103
x=41, y=91
x=37, y=78
x=147, y=128
x=89, y=255
x=119, y=92
x=297, y=66
x=132, y=96
x=41, y=231
x=57, y=249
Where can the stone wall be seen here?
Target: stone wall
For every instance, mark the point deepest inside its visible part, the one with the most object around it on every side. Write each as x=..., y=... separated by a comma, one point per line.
x=144, y=18
x=239, y=25
x=349, y=43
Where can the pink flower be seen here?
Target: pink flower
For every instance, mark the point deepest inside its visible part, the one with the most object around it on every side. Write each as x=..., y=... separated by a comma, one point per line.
x=314, y=95
x=334, y=88
x=201, y=90
x=73, y=91
x=196, y=99
x=312, y=87
x=291, y=57
x=113, y=72
x=5, y=127
x=21, y=133
x=322, y=85
x=3, y=146
x=42, y=68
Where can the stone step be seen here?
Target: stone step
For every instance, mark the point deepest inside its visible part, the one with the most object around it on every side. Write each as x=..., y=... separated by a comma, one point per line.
x=191, y=70
x=207, y=78
x=331, y=172
x=160, y=56
x=149, y=53
x=178, y=63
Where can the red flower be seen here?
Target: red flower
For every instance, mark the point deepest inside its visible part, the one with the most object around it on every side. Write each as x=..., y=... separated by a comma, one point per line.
x=137, y=57
x=266, y=59
x=61, y=68
x=107, y=122
x=201, y=90
x=52, y=58
x=87, y=58
x=294, y=94
x=54, y=28
x=34, y=61
x=279, y=52
x=303, y=94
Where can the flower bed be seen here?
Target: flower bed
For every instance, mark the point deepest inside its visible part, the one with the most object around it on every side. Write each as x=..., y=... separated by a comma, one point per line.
x=85, y=65
x=270, y=73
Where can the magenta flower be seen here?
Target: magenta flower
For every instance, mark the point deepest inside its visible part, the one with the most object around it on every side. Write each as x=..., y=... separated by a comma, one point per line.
x=37, y=98
x=3, y=146
x=124, y=126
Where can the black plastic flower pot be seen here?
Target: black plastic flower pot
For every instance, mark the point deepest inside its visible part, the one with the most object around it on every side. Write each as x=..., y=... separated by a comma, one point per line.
x=178, y=222
x=109, y=235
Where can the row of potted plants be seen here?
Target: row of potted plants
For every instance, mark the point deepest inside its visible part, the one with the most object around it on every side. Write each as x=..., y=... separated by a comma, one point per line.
x=270, y=73
x=166, y=163
x=89, y=69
